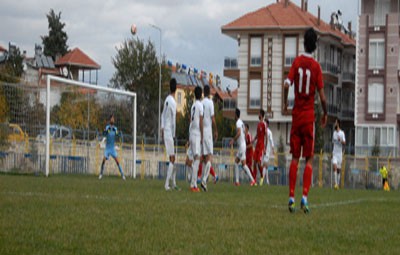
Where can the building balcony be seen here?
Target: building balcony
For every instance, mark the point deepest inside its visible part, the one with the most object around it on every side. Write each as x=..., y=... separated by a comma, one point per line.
x=347, y=114
x=231, y=68
x=333, y=109
x=348, y=77
x=330, y=68
x=376, y=20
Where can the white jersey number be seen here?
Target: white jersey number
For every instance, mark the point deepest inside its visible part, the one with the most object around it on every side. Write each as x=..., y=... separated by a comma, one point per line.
x=308, y=74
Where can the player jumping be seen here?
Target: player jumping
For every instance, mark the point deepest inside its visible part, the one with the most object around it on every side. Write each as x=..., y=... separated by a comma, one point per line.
x=306, y=75
x=110, y=133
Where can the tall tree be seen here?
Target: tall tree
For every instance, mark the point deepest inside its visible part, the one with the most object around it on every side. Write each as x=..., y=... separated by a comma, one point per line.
x=55, y=43
x=137, y=69
x=183, y=119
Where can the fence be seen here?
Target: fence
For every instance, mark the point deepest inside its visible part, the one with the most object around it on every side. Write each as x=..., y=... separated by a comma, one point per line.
x=78, y=157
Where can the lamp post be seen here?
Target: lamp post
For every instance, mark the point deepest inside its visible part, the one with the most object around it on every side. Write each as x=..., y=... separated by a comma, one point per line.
x=159, y=89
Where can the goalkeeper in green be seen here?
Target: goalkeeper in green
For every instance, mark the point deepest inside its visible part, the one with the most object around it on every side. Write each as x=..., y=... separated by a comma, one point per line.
x=110, y=133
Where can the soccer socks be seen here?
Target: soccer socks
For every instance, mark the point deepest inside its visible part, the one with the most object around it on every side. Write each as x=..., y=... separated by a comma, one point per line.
x=338, y=178
x=265, y=174
x=102, y=168
x=206, y=171
x=335, y=177
x=173, y=177
x=307, y=176
x=169, y=175
x=292, y=178
x=212, y=172
x=247, y=170
x=196, y=164
x=237, y=172
x=200, y=171
x=120, y=169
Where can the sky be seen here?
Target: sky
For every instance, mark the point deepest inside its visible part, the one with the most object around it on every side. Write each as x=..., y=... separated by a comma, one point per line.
x=191, y=30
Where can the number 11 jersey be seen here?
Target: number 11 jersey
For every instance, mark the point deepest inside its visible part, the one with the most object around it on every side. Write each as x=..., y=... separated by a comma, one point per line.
x=306, y=75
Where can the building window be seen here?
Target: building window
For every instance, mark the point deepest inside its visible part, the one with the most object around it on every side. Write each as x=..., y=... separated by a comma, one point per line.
x=376, y=54
x=179, y=98
x=339, y=60
x=382, y=8
x=375, y=98
x=290, y=50
x=255, y=51
x=369, y=136
x=255, y=94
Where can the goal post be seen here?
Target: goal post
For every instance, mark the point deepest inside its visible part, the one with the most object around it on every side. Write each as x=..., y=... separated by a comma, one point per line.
x=83, y=140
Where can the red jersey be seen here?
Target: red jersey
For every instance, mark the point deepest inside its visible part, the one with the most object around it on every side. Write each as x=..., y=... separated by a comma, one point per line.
x=306, y=75
x=261, y=131
x=249, y=151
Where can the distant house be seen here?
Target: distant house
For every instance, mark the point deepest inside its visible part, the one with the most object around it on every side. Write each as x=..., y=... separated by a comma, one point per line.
x=3, y=54
x=76, y=64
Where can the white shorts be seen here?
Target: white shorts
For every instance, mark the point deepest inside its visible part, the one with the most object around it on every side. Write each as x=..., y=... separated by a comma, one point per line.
x=208, y=144
x=265, y=158
x=337, y=159
x=195, y=145
x=169, y=145
x=189, y=154
x=241, y=153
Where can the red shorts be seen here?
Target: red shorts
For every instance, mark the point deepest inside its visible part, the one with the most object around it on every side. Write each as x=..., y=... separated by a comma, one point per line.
x=258, y=153
x=302, y=135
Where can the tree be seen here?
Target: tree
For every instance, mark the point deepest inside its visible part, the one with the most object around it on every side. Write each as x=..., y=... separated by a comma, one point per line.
x=137, y=69
x=13, y=68
x=281, y=153
x=226, y=127
x=319, y=131
x=55, y=43
x=183, y=119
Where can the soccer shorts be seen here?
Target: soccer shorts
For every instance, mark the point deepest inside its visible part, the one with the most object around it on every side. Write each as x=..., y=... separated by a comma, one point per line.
x=208, y=144
x=241, y=153
x=195, y=145
x=302, y=136
x=110, y=152
x=169, y=145
x=189, y=154
x=266, y=158
x=258, y=153
x=337, y=159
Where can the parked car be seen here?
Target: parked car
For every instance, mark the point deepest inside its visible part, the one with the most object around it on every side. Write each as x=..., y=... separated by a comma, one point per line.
x=16, y=134
x=56, y=132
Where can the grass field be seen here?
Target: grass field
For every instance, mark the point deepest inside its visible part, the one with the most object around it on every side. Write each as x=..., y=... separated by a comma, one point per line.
x=82, y=215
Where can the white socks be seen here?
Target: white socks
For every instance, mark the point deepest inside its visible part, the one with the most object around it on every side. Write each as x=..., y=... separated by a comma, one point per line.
x=237, y=172
x=335, y=176
x=247, y=170
x=196, y=164
x=169, y=175
x=206, y=171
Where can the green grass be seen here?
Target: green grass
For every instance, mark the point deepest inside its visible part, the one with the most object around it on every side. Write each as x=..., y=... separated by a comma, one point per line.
x=82, y=215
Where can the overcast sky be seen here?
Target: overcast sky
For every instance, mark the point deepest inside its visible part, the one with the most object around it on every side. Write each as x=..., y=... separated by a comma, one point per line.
x=191, y=29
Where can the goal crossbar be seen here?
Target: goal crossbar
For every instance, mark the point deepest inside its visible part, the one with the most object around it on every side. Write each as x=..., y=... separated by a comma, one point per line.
x=89, y=86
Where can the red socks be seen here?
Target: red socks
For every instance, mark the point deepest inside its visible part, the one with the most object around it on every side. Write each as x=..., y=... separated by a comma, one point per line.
x=212, y=172
x=199, y=174
x=307, y=177
x=292, y=177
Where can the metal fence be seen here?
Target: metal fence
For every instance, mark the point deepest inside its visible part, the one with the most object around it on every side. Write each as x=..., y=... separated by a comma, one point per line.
x=83, y=158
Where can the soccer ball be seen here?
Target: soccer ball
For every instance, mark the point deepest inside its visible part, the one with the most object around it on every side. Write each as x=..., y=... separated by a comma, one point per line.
x=133, y=29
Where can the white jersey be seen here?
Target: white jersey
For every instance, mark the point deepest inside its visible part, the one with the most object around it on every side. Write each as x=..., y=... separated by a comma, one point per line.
x=270, y=144
x=168, y=118
x=241, y=139
x=337, y=138
x=208, y=114
x=196, y=111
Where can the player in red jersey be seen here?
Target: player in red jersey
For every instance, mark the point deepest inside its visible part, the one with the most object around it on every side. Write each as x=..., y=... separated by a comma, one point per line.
x=261, y=143
x=306, y=75
x=249, y=151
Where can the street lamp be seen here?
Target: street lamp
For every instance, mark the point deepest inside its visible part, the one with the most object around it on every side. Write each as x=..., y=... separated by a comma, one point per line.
x=159, y=90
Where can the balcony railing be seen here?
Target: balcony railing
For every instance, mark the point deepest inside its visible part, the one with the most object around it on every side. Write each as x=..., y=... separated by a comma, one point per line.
x=230, y=104
x=231, y=63
x=329, y=67
x=376, y=20
x=332, y=109
x=347, y=113
x=347, y=76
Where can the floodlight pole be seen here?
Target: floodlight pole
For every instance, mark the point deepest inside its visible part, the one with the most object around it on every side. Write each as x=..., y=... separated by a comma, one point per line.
x=159, y=89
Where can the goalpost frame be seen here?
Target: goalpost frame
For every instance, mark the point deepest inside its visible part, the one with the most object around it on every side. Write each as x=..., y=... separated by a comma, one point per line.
x=89, y=86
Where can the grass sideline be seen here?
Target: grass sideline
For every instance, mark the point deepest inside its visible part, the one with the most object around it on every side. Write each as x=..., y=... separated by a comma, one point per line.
x=82, y=215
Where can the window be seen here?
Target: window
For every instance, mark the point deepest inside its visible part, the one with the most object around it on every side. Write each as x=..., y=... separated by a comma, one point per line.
x=369, y=136
x=255, y=51
x=382, y=8
x=339, y=98
x=179, y=98
x=255, y=94
x=339, y=60
x=375, y=98
x=376, y=54
x=290, y=50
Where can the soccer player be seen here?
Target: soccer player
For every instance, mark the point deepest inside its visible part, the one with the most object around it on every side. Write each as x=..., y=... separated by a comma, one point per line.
x=261, y=143
x=306, y=75
x=208, y=125
x=196, y=135
x=212, y=172
x=110, y=133
x=268, y=149
x=168, y=127
x=338, y=140
x=241, y=150
x=249, y=152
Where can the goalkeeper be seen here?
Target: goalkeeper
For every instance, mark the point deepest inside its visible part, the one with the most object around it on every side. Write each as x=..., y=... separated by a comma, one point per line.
x=110, y=133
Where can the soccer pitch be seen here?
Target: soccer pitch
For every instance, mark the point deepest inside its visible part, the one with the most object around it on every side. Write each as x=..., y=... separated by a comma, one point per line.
x=82, y=215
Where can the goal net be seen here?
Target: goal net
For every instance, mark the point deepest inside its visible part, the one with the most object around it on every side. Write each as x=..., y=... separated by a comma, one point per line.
x=77, y=113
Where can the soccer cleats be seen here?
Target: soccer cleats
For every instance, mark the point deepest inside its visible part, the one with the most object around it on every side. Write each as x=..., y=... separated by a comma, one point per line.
x=261, y=181
x=292, y=206
x=253, y=183
x=304, y=206
x=100, y=176
x=203, y=185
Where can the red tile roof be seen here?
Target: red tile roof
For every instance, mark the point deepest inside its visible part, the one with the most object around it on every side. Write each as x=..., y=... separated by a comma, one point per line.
x=2, y=48
x=277, y=16
x=78, y=58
